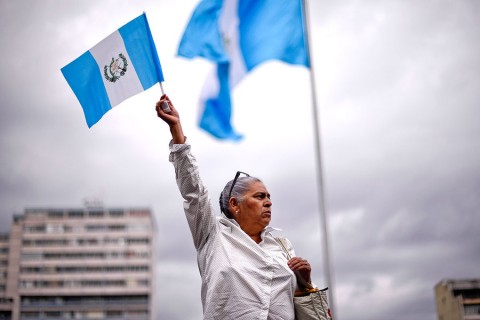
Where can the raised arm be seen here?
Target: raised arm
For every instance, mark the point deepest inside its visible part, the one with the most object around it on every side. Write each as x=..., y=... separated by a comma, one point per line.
x=197, y=206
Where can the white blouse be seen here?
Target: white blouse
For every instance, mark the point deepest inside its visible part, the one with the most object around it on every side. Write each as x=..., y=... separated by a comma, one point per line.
x=241, y=280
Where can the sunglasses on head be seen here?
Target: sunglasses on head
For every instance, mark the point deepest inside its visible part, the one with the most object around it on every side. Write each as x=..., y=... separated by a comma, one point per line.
x=235, y=180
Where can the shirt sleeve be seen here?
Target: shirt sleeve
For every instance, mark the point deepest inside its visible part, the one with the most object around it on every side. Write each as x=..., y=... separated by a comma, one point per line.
x=197, y=205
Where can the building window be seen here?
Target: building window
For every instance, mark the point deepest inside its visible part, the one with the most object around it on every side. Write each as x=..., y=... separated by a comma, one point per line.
x=34, y=229
x=83, y=269
x=472, y=309
x=139, y=213
x=75, y=214
x=138, y=241
x=31, y=256
x=87, y=242
x=83, y=301
x=53, y=314
x=116, y=213
x=53, y=284
x=114, y=314
x=54, y=228
x=74, y=255
x=95, y=227
x=142, y=282
x=96, y=213
x=30, y=315
x=44, y=242
x=116, y=227
x=55, y=214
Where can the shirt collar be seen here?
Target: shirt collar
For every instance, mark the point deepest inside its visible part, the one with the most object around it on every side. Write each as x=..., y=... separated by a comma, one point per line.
x=267, y=229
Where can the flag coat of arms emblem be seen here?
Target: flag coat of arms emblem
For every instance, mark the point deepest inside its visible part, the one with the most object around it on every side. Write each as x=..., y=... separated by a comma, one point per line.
x=116, y=69
x=120, y=66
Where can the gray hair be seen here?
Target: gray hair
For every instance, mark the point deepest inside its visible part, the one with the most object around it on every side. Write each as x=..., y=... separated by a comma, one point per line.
x=238, y=192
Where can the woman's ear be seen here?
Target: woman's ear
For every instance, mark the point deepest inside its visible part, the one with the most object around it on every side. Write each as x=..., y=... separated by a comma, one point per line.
x=233, y=205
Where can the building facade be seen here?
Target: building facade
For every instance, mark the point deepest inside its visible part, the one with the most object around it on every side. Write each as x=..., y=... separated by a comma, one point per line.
x=89, y=263
x=6, y=303
x=458, y=299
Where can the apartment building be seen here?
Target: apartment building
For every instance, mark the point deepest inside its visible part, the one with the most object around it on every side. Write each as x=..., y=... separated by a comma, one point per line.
x=83, y=263
x=458, y=299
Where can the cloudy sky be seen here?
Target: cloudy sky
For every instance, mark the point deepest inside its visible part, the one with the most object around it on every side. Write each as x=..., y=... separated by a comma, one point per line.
x=398, y=92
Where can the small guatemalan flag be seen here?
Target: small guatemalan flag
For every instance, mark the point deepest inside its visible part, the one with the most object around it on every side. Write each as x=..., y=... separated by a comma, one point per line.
x=120, y=66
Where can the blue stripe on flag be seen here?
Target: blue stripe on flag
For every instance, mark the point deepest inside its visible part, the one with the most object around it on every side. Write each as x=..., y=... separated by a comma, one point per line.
x=272, y=30
x=85, y=79
x=139, y=43
x=218, y=111
x=202, y=37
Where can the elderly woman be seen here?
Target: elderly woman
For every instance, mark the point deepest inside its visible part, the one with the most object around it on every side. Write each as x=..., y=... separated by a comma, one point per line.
x=245, y=273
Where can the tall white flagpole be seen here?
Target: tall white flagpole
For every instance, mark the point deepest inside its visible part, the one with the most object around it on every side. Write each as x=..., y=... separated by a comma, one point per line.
x=321, y=192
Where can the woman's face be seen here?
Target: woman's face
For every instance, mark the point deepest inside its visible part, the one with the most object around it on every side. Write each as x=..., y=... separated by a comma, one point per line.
x=255, y=211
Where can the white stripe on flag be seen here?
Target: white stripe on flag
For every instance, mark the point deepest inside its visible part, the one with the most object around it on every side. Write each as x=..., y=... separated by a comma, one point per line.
x=103, y=53
x=229, y=21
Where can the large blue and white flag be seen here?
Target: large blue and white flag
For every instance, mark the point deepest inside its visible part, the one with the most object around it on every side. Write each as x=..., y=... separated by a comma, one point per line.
x=238, y=35
x=120, y=66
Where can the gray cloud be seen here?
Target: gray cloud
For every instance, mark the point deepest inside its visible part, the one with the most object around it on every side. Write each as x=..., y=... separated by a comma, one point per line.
x=398, y=86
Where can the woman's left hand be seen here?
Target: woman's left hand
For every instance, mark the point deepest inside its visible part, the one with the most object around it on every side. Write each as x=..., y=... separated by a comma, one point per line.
x=302, y=266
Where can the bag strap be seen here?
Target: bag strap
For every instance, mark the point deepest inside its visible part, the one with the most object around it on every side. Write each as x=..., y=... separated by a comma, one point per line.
x=282, y=242
x=301, y=282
